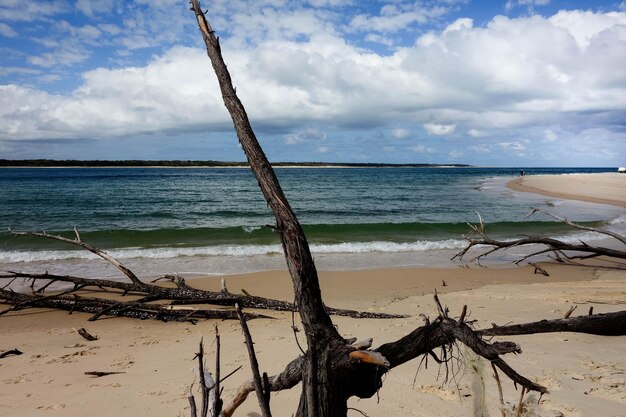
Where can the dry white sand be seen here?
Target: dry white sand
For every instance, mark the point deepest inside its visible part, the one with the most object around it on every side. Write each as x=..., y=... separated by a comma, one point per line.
x=585, y=374
x=609, y=188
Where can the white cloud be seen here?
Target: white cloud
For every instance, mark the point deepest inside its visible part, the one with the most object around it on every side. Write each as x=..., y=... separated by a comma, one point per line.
x=422, y=149
x=30, y=11
x=396, y=17
x=550, y=136
x=304, y=136
x=7, y=31
x=481, y=148
x=61, y=57
x=516, y=148
x=91, y=7
x=330, y=3
x=438, y=129
x=400, y=133
x=585, y=25
x=383, y=40
x=455, y=154
x=508, y=75
x=529, y=4
x=459, y=24
x=475, y=133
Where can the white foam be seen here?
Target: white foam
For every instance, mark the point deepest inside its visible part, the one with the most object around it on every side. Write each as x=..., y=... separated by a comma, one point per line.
x=230, y=250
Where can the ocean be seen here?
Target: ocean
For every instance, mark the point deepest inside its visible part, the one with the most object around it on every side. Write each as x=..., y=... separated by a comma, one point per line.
x=214, y=220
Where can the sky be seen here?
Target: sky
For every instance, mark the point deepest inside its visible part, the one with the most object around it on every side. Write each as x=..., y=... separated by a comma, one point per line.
x=490, y=83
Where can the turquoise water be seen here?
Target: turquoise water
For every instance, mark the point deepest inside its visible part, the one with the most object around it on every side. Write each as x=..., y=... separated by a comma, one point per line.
x=179, y=214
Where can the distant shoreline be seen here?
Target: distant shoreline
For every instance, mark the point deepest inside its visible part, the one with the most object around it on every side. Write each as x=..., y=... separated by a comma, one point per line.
x=601, y=188
x=51, y=163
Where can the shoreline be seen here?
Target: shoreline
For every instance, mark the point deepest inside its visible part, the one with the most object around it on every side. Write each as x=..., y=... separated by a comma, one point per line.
x=590, y=188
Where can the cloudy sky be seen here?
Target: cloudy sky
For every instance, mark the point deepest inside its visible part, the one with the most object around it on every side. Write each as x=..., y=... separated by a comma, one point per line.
x=489, y=82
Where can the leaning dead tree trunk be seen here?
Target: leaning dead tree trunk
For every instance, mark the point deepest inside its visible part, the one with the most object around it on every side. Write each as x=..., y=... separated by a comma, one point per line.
x=325, y=345
x=331, y=371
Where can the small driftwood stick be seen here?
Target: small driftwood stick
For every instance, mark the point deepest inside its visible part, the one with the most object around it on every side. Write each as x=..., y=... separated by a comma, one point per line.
x=500, y=396
x=99, y=374
x=217, y=405
x=463, y=313
x=254, y=365
x=539, y=269
x=11, y=352
x=192, y=403
x=85, y=334
x=569, y=312
x=520, y=404
x=203, y=388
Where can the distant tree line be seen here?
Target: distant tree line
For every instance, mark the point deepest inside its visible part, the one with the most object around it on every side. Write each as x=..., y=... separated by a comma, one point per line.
x=189, y=163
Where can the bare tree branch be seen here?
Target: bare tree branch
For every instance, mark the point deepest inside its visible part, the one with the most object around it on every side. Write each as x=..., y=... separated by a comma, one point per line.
x=90, y=248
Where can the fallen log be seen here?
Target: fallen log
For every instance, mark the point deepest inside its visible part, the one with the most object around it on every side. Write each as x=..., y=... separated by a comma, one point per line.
x=179, y=295
x=115, y=308
x=607, y=324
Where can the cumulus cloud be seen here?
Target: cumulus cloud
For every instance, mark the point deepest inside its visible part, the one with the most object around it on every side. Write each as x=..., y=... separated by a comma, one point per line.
x=323, y=149
x=7, y=31
x=304, y=136
x=395, y=17
x=475, y=133
x=508, y=75
x=400, y=133
x=439, y=130
x=515, y=147
x=422, y=149
x=550, y=136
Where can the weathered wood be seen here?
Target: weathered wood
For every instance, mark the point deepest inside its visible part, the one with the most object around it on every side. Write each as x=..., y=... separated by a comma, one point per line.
x=100, y=374
x=183, y=294
x=114, y=308
x=298, y=256
x=78, y=242
x=217, y=403
x=263, y=400
x=15, y=352
x=86, y=335
x=560, y=250
x=606, y=324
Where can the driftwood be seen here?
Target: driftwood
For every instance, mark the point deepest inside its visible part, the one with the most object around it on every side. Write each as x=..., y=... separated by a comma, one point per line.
x=555, y=249
x=85, y=334
x=79, y=242
x=443, y=332
x=328, y=375
x=11, y=352
x=262, y=390
x=100, y=374
x=142, y=308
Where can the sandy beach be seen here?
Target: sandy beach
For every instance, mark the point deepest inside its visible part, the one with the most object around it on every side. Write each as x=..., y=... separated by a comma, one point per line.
x=607, y=188
x=586, y=374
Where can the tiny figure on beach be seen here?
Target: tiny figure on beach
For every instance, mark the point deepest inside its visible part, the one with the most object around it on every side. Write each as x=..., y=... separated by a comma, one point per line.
x=521, y=173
